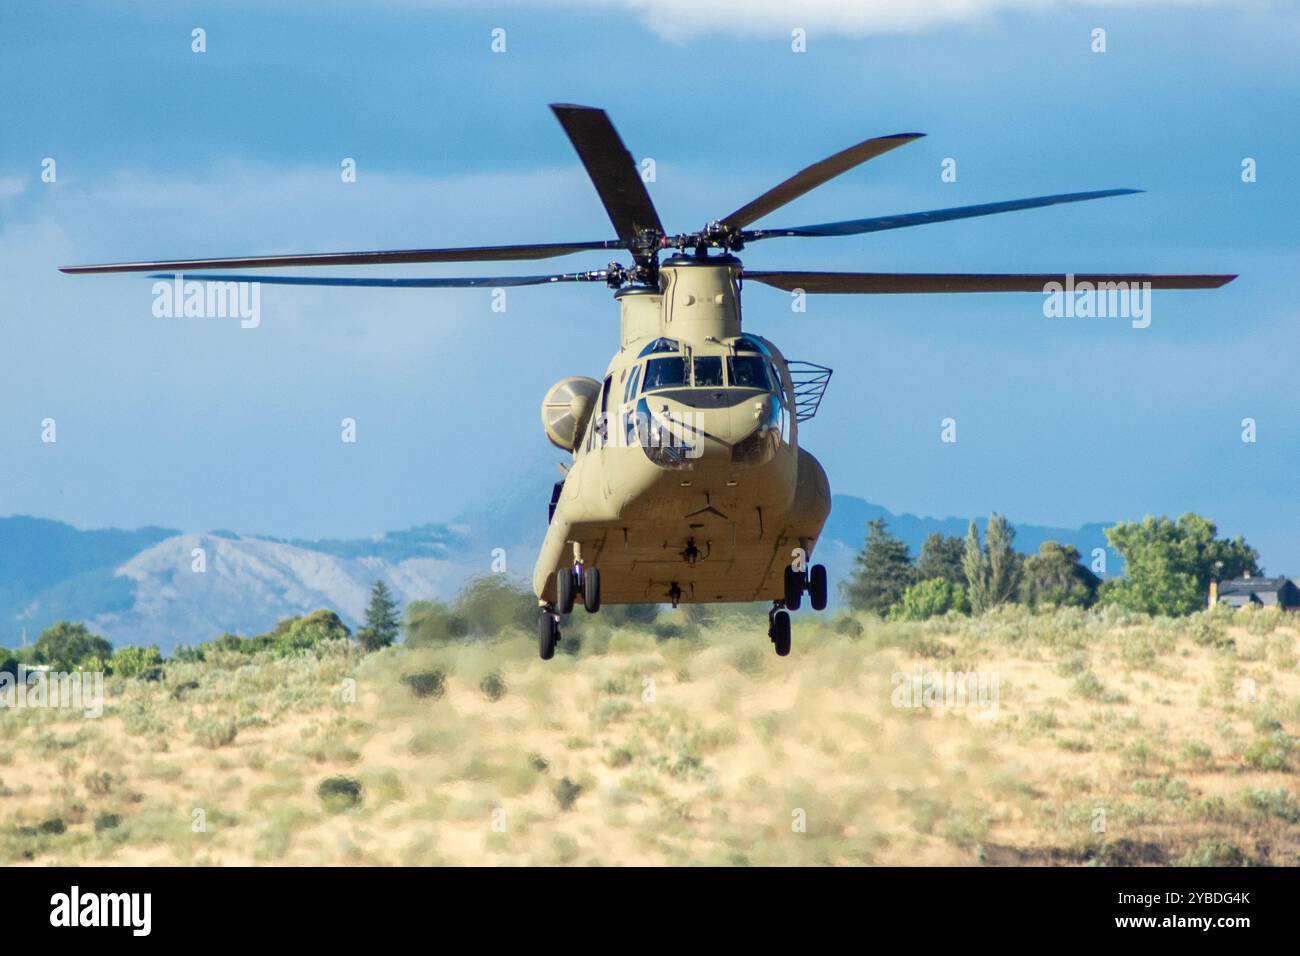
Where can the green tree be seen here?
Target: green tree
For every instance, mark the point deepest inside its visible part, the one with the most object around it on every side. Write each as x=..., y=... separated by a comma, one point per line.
x=882, y=572
x=299, y=633
x=993, y=570
x=1054, y=578
x=930, y=598
x=64, y=646
x=136, y=662
x=941, y=557
x=382, y=622
x=1168, y=564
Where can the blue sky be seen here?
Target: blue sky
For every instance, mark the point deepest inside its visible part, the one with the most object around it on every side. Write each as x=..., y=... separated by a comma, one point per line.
x=199, y=424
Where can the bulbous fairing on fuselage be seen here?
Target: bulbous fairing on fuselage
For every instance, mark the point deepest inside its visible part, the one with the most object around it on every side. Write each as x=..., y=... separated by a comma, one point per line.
x=693, y=447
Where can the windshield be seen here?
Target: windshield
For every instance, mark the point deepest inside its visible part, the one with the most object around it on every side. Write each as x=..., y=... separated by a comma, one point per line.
x=665, y=373
x=708, y=371
x=748, y=371
x=660, y=345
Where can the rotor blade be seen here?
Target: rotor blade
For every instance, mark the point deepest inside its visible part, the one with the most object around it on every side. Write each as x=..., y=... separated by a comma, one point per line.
x=812, y=177
x=612, y=169
x=919, y=282
x=850, y=227
x=467, y=254
x=378, y=282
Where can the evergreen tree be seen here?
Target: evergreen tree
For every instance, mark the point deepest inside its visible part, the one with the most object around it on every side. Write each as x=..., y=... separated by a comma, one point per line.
x=882, y=572
x=382, y=621
x=941, y=557
x=993, y=571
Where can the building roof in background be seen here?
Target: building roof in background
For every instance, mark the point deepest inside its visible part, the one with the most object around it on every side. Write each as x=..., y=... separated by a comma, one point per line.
x=1268, y=591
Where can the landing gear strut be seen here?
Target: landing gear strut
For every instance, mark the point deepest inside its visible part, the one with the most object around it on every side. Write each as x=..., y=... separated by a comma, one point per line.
x=797, y=584
x=579, y=579
x=813, y=584
x=778, y=628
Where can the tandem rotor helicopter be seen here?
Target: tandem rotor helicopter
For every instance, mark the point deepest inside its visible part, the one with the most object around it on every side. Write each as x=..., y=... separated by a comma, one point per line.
x=687, y=481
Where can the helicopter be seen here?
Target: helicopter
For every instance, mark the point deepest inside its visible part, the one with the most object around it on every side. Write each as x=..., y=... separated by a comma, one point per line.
x=687, y=482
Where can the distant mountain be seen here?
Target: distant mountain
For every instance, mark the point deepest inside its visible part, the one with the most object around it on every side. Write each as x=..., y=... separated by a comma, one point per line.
x=51, y=571
x=250, y=583
x=139, y=587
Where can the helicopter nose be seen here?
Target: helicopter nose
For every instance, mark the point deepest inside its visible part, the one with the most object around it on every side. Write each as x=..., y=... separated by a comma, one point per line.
x=732, y=429
x=754, y=432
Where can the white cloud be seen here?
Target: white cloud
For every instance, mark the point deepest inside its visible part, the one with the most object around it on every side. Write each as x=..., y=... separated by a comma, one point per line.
x=685, y=19
x=679, y=19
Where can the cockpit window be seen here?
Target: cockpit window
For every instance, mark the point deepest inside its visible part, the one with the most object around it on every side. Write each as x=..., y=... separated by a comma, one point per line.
x=747, y=344
x=748, y=371
x=708, y=371
x=632, y=380
x=660, y=345
x=665, y=373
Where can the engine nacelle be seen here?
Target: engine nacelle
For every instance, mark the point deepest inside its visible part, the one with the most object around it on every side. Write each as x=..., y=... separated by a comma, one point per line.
x=567, y=408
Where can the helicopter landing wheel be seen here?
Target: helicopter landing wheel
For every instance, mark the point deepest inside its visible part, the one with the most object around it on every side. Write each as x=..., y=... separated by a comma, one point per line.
x=548, y=633
x=591, y=589
x=817, y=587
x=794, y=588
x=566, y=588
x=780, y=632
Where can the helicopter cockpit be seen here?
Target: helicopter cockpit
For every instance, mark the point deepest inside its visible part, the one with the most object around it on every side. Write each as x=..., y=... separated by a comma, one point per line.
x=745, y=367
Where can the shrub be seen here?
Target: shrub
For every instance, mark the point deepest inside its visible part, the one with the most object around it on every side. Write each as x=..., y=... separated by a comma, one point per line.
x=566, y=793
x=1089, y=685
x=1213, y=853
x=1280, y=803
x=137, y=662
x=493, y=686
x=100, y=784
x=339, y=793
x=929, y=599
x=848, y=625
x=214, y=732
x=426, y=683
x=1272, y=752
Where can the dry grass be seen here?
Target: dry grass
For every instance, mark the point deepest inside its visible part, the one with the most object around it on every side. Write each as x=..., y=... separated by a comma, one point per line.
x=1116, y=740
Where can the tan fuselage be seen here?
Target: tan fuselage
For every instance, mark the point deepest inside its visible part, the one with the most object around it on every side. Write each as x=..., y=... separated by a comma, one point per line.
x=698, y=491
